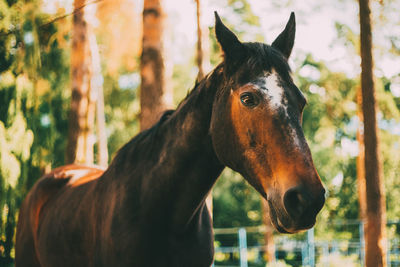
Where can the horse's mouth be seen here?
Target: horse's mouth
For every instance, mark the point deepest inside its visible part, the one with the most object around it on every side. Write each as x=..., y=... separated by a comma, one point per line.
x=280, y=228
x=277, y=223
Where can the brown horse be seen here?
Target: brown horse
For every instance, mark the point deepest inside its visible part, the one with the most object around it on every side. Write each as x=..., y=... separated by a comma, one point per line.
x=148, y=208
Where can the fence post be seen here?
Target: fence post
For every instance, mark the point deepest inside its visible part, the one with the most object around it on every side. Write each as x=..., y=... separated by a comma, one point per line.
x=388, y=253
x=362, y=243
x=304, y=252
x=311, y=247
x=325, y=254
x=243, y=247
x=396, y=250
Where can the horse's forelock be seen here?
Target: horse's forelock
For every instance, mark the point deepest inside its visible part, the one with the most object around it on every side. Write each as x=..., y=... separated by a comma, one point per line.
x=264, y=58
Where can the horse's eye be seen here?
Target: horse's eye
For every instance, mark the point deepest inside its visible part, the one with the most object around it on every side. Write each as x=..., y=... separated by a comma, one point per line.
x=248, y=99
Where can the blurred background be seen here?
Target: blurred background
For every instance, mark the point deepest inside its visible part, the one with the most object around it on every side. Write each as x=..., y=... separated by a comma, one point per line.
x=52, y=49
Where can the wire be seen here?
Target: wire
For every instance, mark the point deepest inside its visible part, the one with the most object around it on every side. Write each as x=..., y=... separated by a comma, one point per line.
x=71, y=13
x=76, y=10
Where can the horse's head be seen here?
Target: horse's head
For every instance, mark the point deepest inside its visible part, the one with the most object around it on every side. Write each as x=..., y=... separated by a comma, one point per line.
x=256, y=127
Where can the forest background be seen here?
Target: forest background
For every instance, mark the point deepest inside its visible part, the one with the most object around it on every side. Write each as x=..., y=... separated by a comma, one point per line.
x=35, y=90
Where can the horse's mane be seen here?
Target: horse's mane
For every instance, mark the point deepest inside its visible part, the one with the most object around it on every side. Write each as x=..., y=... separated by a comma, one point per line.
x=142, y=144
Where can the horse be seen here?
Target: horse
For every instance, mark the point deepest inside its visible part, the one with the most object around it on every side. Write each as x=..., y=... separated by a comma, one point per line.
x=148, y=207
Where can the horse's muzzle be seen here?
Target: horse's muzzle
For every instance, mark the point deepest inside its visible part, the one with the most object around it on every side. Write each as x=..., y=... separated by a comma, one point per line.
x=302, y=205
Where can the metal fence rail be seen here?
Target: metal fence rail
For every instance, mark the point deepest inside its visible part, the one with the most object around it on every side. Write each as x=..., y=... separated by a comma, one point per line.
x=309, y=250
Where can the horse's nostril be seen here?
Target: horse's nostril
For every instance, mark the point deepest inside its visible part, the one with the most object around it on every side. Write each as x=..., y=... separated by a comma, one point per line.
x=295, y=201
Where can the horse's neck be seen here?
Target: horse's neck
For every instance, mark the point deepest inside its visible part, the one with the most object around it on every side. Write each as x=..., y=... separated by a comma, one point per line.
x=174, y=169
x=197, y=166
x=189, y=164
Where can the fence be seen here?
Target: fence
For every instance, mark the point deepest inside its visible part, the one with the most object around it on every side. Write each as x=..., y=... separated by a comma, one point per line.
x=303, y=251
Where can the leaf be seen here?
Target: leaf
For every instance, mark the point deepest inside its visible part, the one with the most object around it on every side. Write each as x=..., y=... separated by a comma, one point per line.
x=19, y=138
x=9, y=164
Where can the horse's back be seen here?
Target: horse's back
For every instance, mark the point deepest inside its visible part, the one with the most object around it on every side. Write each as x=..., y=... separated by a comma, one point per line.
x=45, y=189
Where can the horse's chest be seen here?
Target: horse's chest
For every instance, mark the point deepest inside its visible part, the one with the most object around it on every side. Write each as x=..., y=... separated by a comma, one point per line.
x=192, y=250
x=195, y=246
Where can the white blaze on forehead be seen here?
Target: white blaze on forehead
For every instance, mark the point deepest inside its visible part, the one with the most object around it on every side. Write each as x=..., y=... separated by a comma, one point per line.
x=271, y=88
x=274, y=90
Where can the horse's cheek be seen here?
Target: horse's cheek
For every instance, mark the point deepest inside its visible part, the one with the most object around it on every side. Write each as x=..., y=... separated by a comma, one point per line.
x=223, y=135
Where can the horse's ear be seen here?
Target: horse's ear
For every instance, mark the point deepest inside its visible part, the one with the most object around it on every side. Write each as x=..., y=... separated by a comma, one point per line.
x=230, y=44
x=284, y=42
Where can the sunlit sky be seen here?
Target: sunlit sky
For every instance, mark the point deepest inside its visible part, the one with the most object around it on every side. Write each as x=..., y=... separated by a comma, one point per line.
x=316, y=33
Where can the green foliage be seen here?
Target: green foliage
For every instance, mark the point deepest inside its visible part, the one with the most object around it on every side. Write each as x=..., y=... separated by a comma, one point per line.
x=235, y=203
x=336, y=259
x=15, y=144
x=331, y=108
x=277, y=264
x=121, y=109
x=34, y=73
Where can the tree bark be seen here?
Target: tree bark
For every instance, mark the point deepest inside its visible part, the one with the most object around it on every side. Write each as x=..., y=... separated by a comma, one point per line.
x=155, y=97
x=199, y=58
x=361, y=159
x=81, y=116
x=96, y=85
x=203, y=46
x=375, y=196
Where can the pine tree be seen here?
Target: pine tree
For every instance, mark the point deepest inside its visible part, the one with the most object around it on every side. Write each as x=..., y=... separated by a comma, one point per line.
x=81, y=116
x=375, y=195
x=155, y=96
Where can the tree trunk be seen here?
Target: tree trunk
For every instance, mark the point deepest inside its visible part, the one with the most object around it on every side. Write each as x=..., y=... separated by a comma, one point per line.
x=81, y=116
x=203, y=46
x=361, y=159
x=155, y=97
x=96, y=85
x=199, y=56
x=375, y=230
